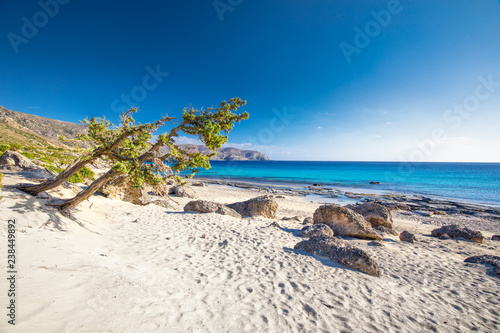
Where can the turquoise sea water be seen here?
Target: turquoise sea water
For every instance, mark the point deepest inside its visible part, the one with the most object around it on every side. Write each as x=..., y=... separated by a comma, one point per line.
x=470, y=182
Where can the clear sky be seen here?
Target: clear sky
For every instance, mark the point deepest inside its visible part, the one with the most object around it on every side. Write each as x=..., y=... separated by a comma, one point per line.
x=324, y=80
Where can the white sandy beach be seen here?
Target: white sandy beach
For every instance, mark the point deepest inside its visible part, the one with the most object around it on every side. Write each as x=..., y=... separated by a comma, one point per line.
x=118, y=267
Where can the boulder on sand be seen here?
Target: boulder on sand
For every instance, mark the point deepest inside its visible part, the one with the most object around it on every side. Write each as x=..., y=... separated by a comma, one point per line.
x=376, y=214
x=260, y=206
x=493, y=262
x=345, y=222
x=408, y=237
x=308, y=220
x=203, y=206
x=184, y=192
x=339, y=251
x=455, y=231
x=387, y=231
x=294, y=218
x=317, y=230
x=120, y=188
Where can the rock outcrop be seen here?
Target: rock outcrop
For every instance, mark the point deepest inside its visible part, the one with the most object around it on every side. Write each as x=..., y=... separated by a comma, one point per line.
x=120, y=188
x=264, y=206
x=184, y=192
x=11, y=160
x=455, y=231
x=345, y=222
x=317, y=230
x=376, y=214
x=223, y=154
x=341, y=252
x=203, y=206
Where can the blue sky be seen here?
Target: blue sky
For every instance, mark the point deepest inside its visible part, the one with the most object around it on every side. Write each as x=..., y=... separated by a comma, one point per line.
x=422, y=84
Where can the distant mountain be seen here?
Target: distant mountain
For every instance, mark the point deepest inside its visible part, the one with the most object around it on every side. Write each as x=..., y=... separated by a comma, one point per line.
x=28, y=129
x=230, y=154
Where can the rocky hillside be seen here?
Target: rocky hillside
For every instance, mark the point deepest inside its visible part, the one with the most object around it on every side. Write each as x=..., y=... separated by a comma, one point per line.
x=26, y=129
x=230, y=154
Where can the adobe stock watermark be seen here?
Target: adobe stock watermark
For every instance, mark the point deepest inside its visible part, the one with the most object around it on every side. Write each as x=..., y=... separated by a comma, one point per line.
x=454, y=118
x=31, y=27
x=12, y=274
x=277, y=124
x=139, y=93
x=223, y=6
x=266, y=135
x=371, y=30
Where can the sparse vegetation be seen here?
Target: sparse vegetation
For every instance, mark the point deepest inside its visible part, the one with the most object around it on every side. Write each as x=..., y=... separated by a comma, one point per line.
x=1, y=176
x=80, y=176
x=36, y=138
x=53, y=168
x=87, y=173
x=4, y=147
x=15, y=146
x=76, y=178
x=28, y=155
x=47, y=159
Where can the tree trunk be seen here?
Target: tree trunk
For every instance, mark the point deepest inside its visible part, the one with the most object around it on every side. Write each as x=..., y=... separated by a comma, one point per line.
x=96, y=185
x=88, y=192
x=73, y=168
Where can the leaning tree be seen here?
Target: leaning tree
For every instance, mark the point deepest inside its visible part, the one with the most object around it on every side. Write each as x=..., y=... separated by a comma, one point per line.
x=142, y=165
x=103, y=139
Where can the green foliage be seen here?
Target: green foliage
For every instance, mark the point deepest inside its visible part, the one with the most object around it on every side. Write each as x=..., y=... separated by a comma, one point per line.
x=47, y=159
x=87, y=173
x=53, y=168
x=1, y=176
x=28, y=155
x=15, y=146
x=210, y=126
x=61, y=158
x=4, y=147
x=84, y=173
x=76, y=178
x=127, y=139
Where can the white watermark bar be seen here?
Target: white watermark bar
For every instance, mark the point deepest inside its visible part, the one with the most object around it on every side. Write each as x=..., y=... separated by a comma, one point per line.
x=11, y=271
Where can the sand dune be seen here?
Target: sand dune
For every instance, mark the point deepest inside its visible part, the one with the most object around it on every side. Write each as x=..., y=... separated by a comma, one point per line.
x=117, y=267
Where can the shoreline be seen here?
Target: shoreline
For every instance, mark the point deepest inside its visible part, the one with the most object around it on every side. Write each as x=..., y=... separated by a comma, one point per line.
x=467, y=183
x=327, y=193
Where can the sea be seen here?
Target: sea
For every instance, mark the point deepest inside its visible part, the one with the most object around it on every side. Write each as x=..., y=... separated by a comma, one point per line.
x=464, y=182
